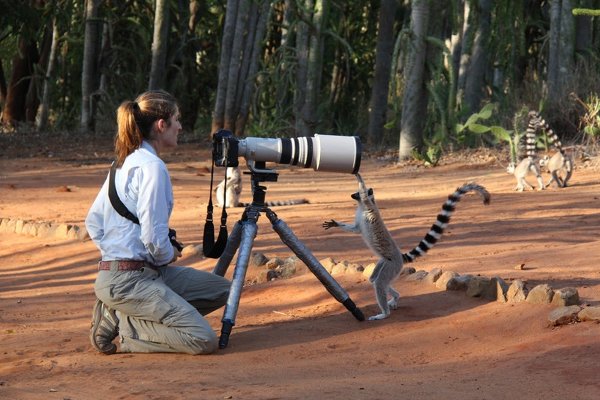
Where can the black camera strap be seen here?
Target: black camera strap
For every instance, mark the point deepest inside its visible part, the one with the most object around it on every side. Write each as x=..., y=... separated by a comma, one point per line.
x=210, y=248
x=115, y=200
x=122, y=209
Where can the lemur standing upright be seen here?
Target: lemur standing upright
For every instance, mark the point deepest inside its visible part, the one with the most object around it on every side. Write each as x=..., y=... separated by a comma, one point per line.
x=561, y=162
x=369, y=223
x=234, y=191
x=528, y=164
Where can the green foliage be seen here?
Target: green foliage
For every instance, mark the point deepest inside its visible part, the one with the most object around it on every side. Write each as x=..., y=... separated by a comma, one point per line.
x=590, y=121
x=586, y=11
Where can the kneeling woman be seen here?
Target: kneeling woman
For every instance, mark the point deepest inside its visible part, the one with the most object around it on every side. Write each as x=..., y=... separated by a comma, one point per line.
x=151, y=306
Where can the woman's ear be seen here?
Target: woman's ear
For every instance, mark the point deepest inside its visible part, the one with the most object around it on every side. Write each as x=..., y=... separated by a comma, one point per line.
x=161, y=124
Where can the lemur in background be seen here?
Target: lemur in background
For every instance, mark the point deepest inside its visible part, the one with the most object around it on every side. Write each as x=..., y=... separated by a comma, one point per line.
x=369, y=223
x=230, y=189
x=233, y=189
x=561, y=162
x=528, y=164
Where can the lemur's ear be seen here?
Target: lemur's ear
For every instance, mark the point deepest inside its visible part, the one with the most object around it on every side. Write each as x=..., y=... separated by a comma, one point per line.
x=356, y=195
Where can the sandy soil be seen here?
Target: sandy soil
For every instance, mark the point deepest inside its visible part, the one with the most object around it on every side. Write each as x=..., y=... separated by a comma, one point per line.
x=292, y=340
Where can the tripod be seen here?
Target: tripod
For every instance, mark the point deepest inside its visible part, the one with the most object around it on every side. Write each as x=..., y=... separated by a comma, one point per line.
x=242, y=238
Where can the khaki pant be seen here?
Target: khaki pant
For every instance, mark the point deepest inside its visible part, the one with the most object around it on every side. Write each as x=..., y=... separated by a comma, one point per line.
x=161, y=310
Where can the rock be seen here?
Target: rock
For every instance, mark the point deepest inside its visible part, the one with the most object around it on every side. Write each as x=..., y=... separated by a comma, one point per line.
x=541, y=294
x=442, y=281
x=565, y=297
x=62, y=231
x=589, y=314
x=274, y=263
x=272, y=274
x=355, y=268
x=563, y=315
x=339, y=268
x=460, y=282
x=257, y=259
x=407, y=271
x=478, y=286
x=368, y=271
x=294, y=262
x=417, y=276
x=328, y=263
x=287, y=270
x=517, y=292
x=501, y=290
x=45, y=229
x=433, y=275
x=19, y=226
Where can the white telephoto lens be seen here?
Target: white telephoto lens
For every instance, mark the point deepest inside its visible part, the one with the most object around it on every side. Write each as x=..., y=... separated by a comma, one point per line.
x=328, y=153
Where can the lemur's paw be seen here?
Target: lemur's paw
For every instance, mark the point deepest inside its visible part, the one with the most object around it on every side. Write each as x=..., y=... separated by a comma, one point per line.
x=378, y=316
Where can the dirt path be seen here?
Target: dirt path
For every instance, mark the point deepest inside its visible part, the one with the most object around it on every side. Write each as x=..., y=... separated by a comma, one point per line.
x=292, y=340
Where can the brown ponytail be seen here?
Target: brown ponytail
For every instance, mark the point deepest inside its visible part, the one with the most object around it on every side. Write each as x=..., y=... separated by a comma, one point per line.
x=135, y=120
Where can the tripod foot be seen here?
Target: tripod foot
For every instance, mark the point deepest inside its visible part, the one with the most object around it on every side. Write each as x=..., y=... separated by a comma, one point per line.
x=349, y=304
x=225, y=332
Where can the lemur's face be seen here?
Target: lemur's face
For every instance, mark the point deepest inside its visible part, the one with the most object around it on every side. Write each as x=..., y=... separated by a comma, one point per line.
x=356, y=195
x=511, y=168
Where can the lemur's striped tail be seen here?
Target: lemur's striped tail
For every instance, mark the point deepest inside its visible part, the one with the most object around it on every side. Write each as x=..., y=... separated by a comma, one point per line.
x=532, y=127
x=443, y=218
x=552, y=136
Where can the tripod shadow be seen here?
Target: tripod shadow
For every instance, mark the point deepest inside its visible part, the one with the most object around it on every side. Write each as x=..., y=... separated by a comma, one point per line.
x=312, y=329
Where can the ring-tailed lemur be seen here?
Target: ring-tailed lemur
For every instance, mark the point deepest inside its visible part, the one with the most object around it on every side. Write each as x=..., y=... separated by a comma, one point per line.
x=370, y=225
x=233, y=186
x=528, y=164
x=561, y=162
x=234, y=190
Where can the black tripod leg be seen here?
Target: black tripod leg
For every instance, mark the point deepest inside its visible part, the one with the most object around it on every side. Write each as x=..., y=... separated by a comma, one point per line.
x=233, y=242
x=248, y=233
x=290, y=240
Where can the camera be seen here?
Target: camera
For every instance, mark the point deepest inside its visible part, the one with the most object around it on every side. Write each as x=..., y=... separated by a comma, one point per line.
x=328, y=153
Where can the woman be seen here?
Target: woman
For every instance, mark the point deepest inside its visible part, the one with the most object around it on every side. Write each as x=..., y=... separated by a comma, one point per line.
x=152, y=306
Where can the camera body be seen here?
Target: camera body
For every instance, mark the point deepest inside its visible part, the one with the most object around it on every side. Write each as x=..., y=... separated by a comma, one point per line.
x=329, y=153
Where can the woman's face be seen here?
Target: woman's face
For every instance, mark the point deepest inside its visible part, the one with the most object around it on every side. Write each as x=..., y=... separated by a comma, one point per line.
x=168, y=131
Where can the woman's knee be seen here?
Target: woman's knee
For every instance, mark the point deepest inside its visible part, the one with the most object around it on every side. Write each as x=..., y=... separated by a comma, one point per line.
x=203, y=345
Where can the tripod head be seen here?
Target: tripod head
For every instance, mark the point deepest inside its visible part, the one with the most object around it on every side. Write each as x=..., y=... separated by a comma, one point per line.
x=259, y=173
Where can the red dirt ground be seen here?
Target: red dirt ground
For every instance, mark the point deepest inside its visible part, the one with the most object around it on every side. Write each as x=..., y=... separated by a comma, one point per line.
x=292, y=340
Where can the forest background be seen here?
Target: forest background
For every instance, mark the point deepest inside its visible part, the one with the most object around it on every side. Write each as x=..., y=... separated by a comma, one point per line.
x=417, y=76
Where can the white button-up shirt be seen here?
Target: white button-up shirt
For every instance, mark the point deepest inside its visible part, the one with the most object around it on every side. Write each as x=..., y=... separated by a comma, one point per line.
x=144, y=186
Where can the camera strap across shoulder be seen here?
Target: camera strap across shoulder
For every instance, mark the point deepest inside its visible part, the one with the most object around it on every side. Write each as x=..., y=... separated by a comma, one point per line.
x=115, y=200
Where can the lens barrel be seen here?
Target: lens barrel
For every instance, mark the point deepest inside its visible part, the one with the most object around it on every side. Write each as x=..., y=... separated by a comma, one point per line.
x=328, y=153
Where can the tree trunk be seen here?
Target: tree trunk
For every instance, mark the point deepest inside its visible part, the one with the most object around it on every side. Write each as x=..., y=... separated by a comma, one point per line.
x=475, y=83
x=560, y=52
x=160, y=41
x=414, y=99
x=584, y=32
x=254, y=56
x=218, y=120
x=466, y=48
x=314, y=68
x=381, y=78
x=42, y=117
x=302, y=40
x=235, y=61
x=567, y=44
x=3, y=88
x=18, y=86
x=89, y=76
